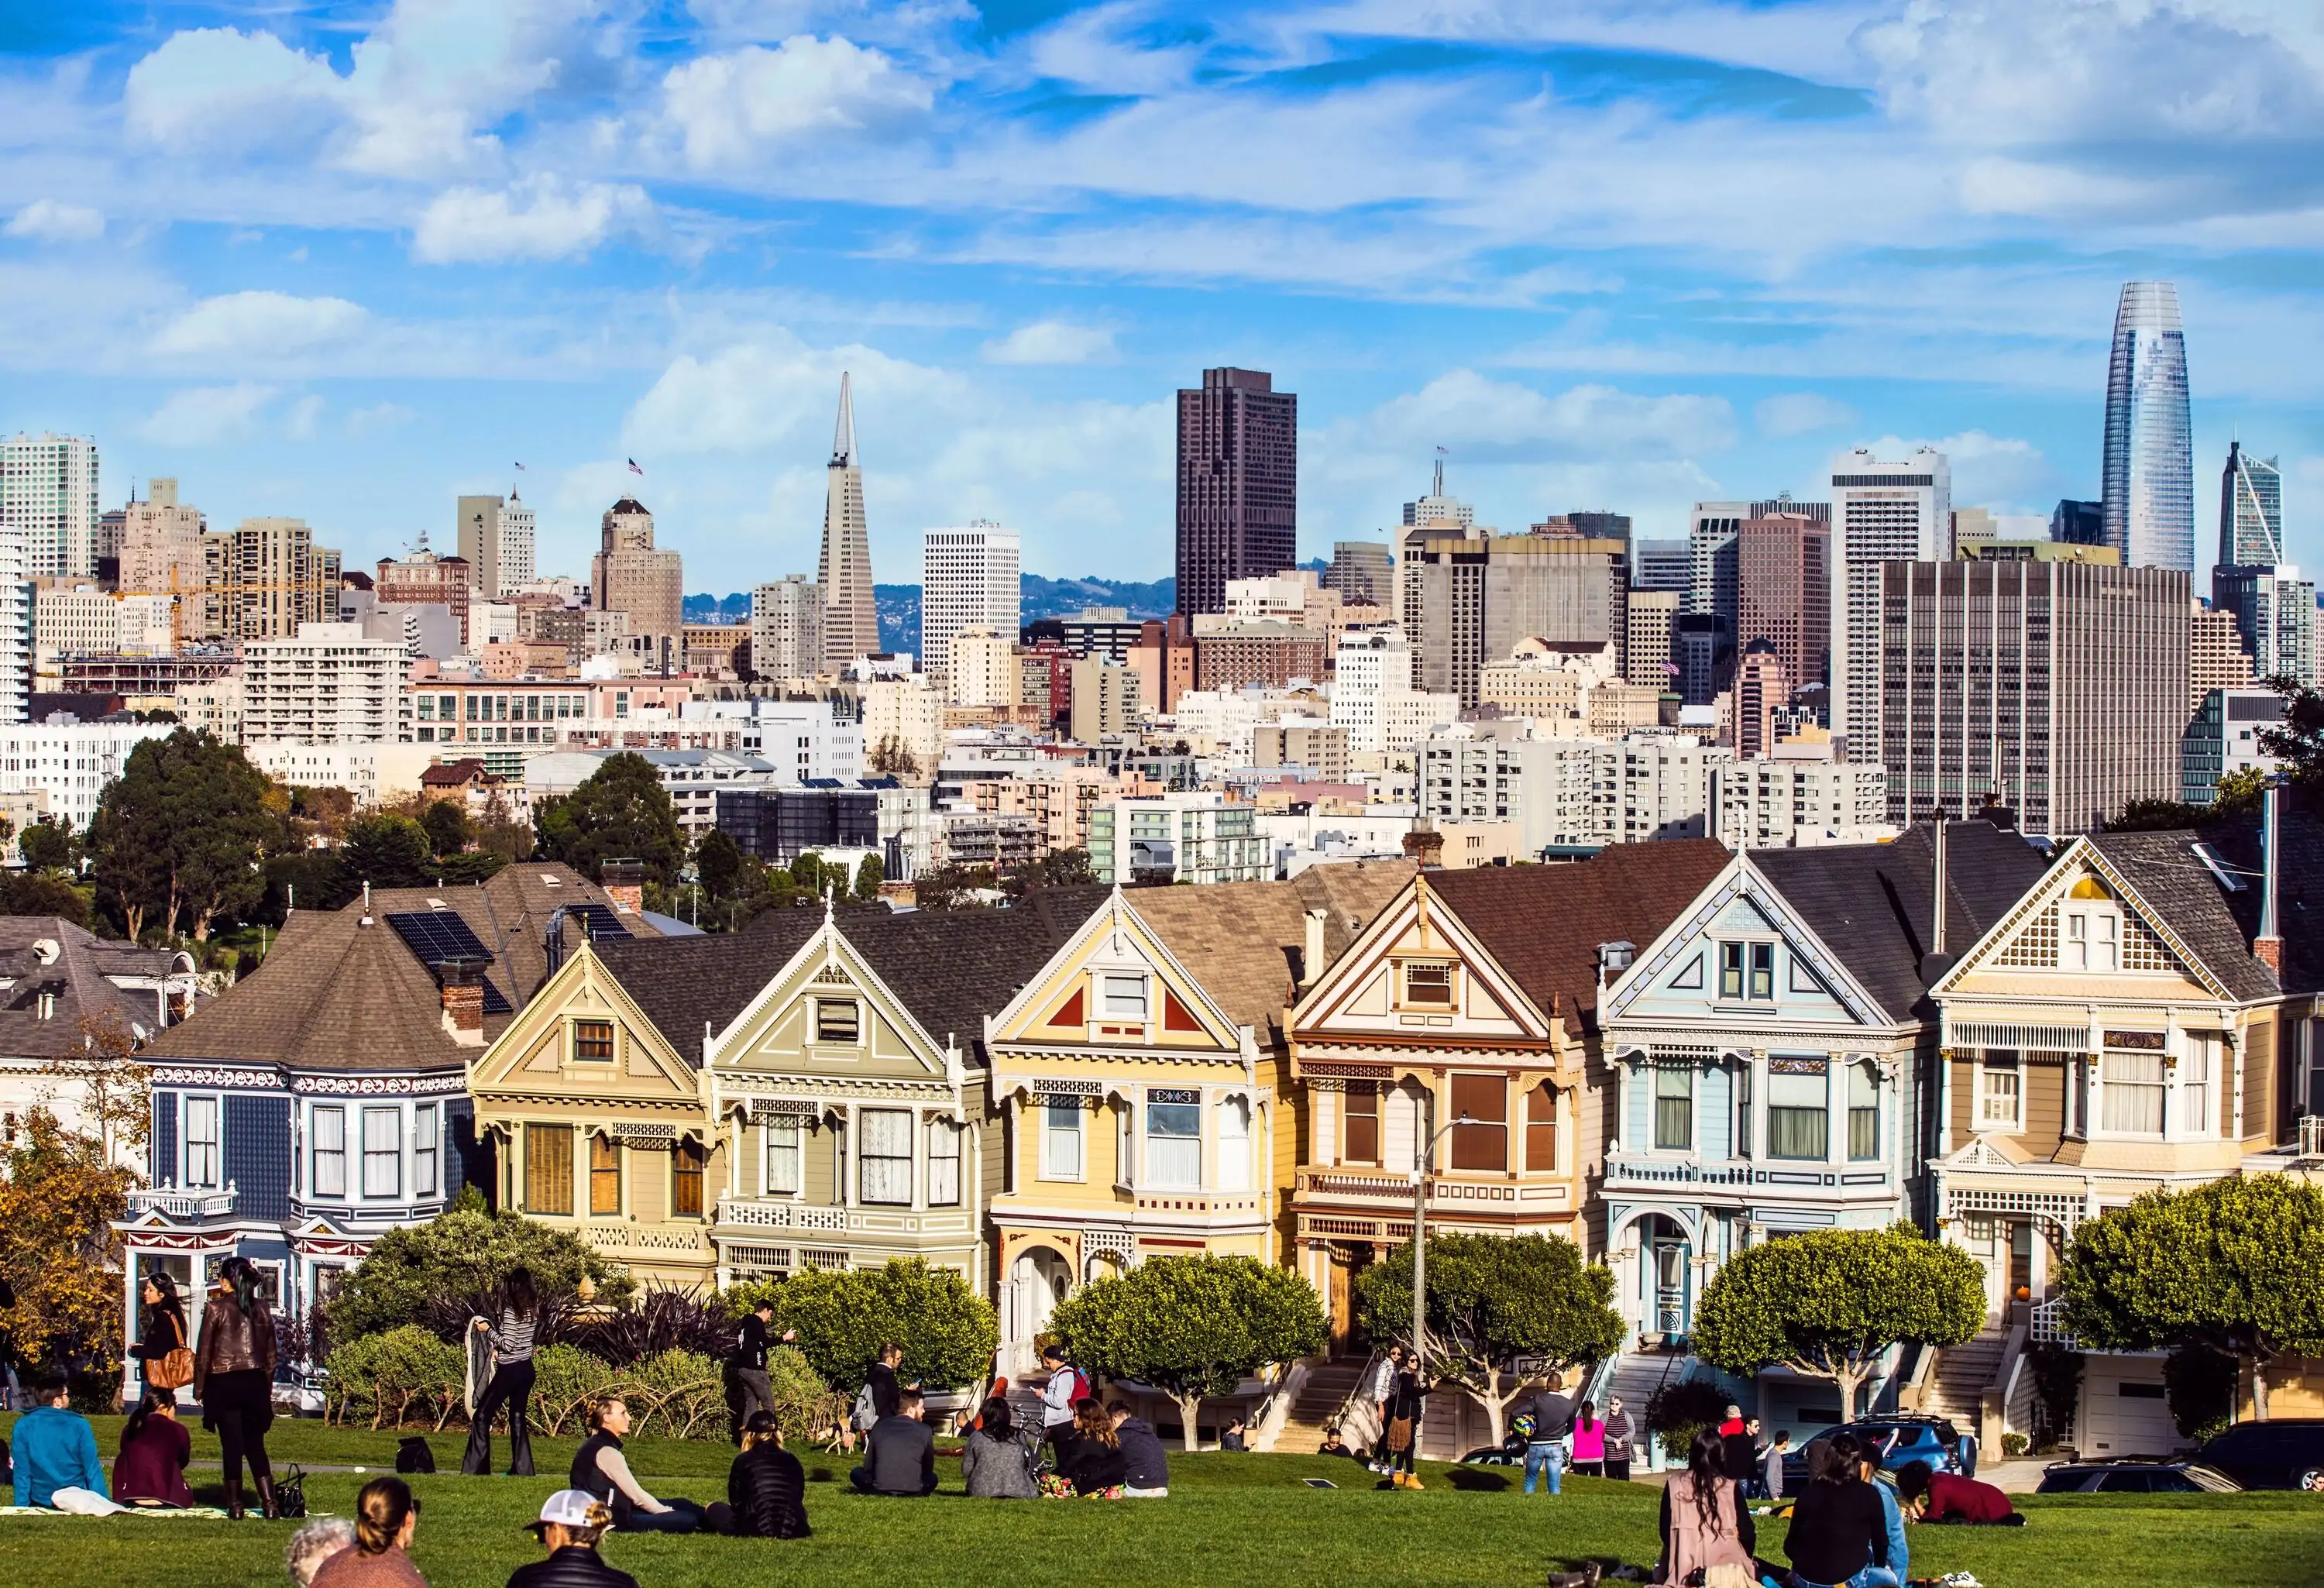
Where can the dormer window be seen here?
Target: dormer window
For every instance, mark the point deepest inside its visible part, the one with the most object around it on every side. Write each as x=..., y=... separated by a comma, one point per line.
x=593, y=1042
x=2093, y=940
x=1747, y=971
x=1428, y=983
x=838, y=1021
x=1121, y=995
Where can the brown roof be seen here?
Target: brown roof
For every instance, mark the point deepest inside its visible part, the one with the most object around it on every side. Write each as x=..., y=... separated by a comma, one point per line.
x=88, y=976
x=335, y=994
x=446, y=773
x=1243, y=942
x=1544, y=923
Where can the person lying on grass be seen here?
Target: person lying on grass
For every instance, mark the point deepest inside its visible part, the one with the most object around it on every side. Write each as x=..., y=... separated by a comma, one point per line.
x=1931, y=1496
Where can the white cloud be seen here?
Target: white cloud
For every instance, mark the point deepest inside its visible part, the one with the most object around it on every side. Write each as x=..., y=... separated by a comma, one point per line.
x=769, y=391
x=2001, y=470
x=726, y=111
x=45, y=220
x=538, y=219
x=262, y=325
x=1051, y=341
x=379, y=419
x=1501, y=421
x=220, y=88
x=1799, y=413
x=207, y=416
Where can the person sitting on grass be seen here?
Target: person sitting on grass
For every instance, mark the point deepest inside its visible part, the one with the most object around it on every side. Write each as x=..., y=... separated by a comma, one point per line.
x=1090, y=1461
x=766, y=1488
x=386, y=1516
x=900, y=1452
x=1237, y=1436
x=155, y=1446
x=601, y=1470
x=1333, y=1445
x=55, y=1447
x=1931, y=1496
x=1146, y=1474
x=314, y=1544
x=994, y=1463
x=571, y=1522
x=1839, y=1529
x=1705, y=1523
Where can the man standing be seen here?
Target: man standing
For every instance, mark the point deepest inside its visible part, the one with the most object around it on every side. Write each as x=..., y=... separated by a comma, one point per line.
x=750, y=1366
x=900, y=1457
x=1553, y=1419
x=1383, y=1386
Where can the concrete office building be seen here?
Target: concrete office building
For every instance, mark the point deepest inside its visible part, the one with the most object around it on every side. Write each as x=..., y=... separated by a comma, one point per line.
x=496, y=536
x=969, y=578
x=1363, y=572
x=2274, y=610
x=2058, y=689
x=1238, y=484
x=330, y=685
x=2215, y=656
x=984, y=670
x=1469, y=598
x=787, y=628
x=1652, y=627
x=2147, y=475
x=1105, y=699
x=629, y=575
x=851, y=621
x=1783, y=592
x=2224, y=740
x=1662, y=565
x=1881, y=512
x=48, y=495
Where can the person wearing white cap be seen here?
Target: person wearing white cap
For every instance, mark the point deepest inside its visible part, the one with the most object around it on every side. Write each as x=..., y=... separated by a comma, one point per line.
x=571, y=1522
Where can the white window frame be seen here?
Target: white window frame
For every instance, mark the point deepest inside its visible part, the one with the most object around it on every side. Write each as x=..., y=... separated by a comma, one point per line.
x=389, y=1159
x=1125, y=995
x=1179, y=1164
x=945, y=1149
x=428, y=1151
x=1064, y=1136
x=864, y=1160
x=2157, y=1091
x=1988, y=1073
x=186, y=1176
x=774, y=1147
x=2091, y=939
x=1232, y=1113
x=2197, y=1080
x=317, y=1153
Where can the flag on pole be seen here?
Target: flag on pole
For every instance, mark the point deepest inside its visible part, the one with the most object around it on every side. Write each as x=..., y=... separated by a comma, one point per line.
x=519, y=468
x=634, y=468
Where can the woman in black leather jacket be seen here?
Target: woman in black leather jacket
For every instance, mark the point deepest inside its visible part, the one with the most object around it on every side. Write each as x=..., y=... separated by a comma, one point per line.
x=766, y=1486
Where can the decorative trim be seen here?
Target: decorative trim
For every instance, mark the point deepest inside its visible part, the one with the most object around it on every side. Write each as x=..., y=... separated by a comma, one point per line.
x=764, y=1110
x=832, y=974
x=936, y=1089
x=418, y=1086
x=1343, y=1070
x=630, y=1133
x=1060, y=1087
x=266, y=1079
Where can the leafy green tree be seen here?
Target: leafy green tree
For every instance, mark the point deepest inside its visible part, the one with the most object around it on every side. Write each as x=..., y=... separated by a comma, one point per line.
x=49, y=847
x=387, y=851
x=304, y=879
x=2237, y=1265
x=1829, y=1303
x=44, y=894
x=460, y=1258
x=2158, y=816
x=952, y=887
x=719, y=862
x=448, y=826
x=948, y=1332
x=1194, y=1327
x=467, y=866
x=1492, y=1300
x=869, y=876
x=181, y=834
x=621, y=811
x=2298, y=741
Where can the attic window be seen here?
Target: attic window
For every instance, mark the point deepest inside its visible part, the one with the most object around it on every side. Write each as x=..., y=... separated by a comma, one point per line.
x=1122, y=996
x=1429, y=984
x=838, y=1021
x=593, y=1042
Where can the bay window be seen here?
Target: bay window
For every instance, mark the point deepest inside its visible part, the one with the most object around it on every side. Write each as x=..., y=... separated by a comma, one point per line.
x=1484, y=1143
x=383, y=1153
x=1798, y=1108
x=688, y=1161
x=1061, y=1141
x=427, y=1149
x=328, y=1176
x=1674, y=1107
x=1541, y=1129
x=1863, y=1113
x=1360, y=1140
x=783, y=1157
x=2001, y=1094
x=1174, y=1138
x=604, y=1176
x=2134, y=1086
x=201, y=1142
x=886, y=1158
x=944, y=1163
x=1234, y=1144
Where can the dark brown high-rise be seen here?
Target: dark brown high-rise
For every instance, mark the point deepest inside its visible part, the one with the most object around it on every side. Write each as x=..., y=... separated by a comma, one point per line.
x=1782, y=580
x=1238, y=484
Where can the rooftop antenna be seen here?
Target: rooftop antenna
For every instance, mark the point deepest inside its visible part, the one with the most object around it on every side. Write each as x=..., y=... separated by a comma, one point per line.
x=842, y=435
x=1439, y=489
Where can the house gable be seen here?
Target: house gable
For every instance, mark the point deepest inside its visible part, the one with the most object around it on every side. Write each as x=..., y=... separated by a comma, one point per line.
x=583, y=1038
x=1116, y=983
x=1677, y=977
x=2083, y=922
x=827, y=1013
x=1416, y=972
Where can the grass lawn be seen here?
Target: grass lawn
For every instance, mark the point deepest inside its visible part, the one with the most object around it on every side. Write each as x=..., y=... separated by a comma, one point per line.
x=1229, y=1518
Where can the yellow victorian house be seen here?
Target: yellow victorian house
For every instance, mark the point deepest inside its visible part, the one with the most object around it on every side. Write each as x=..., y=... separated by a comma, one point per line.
x=1139, y=1077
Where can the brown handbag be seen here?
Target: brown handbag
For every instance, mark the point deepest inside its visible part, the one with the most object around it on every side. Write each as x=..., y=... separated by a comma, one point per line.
x=172, y=1369
x=1399, y=1435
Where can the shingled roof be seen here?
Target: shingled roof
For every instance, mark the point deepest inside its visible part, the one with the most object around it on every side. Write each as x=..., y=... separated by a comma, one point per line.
x=88, y=977
x=1544, y=923
x=1871, y=904
x=2218, y=924
x=1244, y=942
x=335, y=994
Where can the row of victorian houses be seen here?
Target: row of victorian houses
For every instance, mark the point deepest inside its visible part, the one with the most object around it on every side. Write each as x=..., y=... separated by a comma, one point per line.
x=1665, y=1053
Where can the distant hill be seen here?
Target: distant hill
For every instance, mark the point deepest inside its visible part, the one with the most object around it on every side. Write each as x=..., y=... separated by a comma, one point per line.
x=898, y=606
x=718, y=609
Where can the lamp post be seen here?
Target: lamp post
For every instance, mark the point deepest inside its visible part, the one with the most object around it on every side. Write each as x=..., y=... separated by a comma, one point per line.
x=1425, y=1157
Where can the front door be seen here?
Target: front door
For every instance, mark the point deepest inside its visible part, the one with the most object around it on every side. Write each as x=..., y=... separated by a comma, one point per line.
x=1669, y=1274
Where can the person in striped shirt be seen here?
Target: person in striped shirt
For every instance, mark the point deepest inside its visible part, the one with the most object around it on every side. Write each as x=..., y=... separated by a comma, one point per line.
x=511, y=1340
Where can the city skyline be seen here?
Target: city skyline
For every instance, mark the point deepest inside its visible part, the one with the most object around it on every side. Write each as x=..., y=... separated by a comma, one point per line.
x=251, y=277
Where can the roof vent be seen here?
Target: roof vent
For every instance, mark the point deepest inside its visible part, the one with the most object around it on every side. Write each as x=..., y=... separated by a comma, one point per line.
x=46, y=949
x=549, y=880
x=438, y=904
x=2217, y=867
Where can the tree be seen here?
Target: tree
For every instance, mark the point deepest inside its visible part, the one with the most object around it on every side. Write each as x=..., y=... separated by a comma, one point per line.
x=893, y=758
x=180, y=833
x=2298, y=741
x=1829, y=1303
x=111, y=1085
x=1060, y=868
x=36, y=893
x=457, y=1262
x=2158, y=816
x=1493, y=1300
x=387, y=851
x=951, y=887
x=325, y=812
x=49, y=848
x=1194, y=1327
x=719, y=862
x=59, y=1255
x=619, y=812
x=2237, y=1265
x=869, y=876
x=947, y=1331
x=448, y=826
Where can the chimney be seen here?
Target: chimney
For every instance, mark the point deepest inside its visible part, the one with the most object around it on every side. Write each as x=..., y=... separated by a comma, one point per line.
x=463, y=982
x=1311, y=959
x=625, y=881
x=2267, y=948
x=1613, y=959
x=1426, y=846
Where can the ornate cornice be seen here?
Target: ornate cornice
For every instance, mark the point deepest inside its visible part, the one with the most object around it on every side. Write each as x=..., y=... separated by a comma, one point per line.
x=418, y=1086
x=207, y=1077
x=733, y=1087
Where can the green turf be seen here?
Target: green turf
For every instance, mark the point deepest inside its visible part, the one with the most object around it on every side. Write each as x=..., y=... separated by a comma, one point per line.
x=1231, y=1519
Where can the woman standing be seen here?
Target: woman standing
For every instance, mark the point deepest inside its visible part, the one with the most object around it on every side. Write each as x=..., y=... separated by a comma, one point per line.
x=512, y=1386
x=154, y=1446
x=164, y=1335
x=1404, y=1408
x=1589, y=1441
x=386, y=1516
x=1619, y=1433
x=1705, y=1529
x=234, y=1379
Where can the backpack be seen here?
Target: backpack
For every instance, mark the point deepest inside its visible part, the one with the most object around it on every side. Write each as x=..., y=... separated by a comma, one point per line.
x=1080, y=1386
x=413, y=1456
x=866, y=1412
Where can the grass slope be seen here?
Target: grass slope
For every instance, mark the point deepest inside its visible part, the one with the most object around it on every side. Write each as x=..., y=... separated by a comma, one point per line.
x=1229, y=1518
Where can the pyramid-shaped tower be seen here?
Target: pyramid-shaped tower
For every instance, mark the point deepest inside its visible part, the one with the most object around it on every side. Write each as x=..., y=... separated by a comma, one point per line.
x=851, y=623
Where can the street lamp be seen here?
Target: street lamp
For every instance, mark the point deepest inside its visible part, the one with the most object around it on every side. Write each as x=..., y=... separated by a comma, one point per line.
x=1421, y=1161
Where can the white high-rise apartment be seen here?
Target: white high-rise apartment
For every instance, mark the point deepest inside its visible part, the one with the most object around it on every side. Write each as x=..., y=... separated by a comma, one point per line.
x=47, y=491
x=983, y=669
x=330, y=686
x=968, y=580
x=1881, y=512
x=1370, y=665
x=787, y=628
x=520, y=527
x=71, y=761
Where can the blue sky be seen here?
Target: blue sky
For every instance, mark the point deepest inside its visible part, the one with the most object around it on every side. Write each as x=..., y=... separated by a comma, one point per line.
x=348, y=261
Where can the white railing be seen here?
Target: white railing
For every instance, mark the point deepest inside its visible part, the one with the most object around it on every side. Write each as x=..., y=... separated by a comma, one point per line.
x=752, y=1214
x=2311, y=1135
x=172, y=1202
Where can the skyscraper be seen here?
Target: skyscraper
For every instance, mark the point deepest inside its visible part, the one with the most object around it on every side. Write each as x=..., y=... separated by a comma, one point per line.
x=1881, y=512
x=2251, y=510
x=496, y=536
x=1469, y=596
x=48, y=496
x=851, y=623
x=786, y=629
x=629, y=575
x=1784, y=593
x=968, y=579
x=2148, y=477
x=1238, y=484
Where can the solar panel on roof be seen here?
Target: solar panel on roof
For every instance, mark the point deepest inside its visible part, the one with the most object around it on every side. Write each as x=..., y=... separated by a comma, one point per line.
x=435, y=936
x=495, y=1000
x=602, y=924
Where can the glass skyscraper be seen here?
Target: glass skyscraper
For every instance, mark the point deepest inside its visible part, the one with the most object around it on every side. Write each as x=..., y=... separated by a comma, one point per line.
x=2149, y=474
x=2251, y=510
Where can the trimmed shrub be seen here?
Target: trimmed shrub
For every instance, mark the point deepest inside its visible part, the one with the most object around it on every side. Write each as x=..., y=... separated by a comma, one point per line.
x=1678, y=1412
x=402, y=1376
x=565, y=1379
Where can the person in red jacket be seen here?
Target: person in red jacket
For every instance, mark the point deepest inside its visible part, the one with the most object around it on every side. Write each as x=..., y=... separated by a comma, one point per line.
x=1932, y=1496
x=154, y=1446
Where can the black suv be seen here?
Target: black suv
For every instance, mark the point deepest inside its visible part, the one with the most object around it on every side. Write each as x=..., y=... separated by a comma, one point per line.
x=2285, y=1453
x=2134, y=1475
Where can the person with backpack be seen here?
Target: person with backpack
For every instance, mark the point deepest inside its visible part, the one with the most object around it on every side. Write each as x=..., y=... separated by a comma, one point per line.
x=881, y=1393
x=1067, y=1388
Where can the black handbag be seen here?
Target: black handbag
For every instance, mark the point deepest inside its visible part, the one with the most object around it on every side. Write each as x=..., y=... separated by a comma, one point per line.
x=413, y=1456
x=290, y=1494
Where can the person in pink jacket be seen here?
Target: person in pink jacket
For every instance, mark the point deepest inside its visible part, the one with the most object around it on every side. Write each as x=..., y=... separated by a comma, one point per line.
x=1588, y=1441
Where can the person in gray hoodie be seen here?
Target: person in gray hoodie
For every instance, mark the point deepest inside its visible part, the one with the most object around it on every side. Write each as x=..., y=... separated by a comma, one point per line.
x=1141, y=1448
x=994, y=1463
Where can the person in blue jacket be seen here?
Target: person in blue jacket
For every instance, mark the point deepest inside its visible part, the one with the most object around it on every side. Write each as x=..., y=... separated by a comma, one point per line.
x=55, y=1447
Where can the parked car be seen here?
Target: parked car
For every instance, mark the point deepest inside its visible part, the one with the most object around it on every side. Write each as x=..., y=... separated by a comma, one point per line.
x=1901, y=1441
x=2286, y=1453
x=1488, y=1456
x=2134, y=1475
